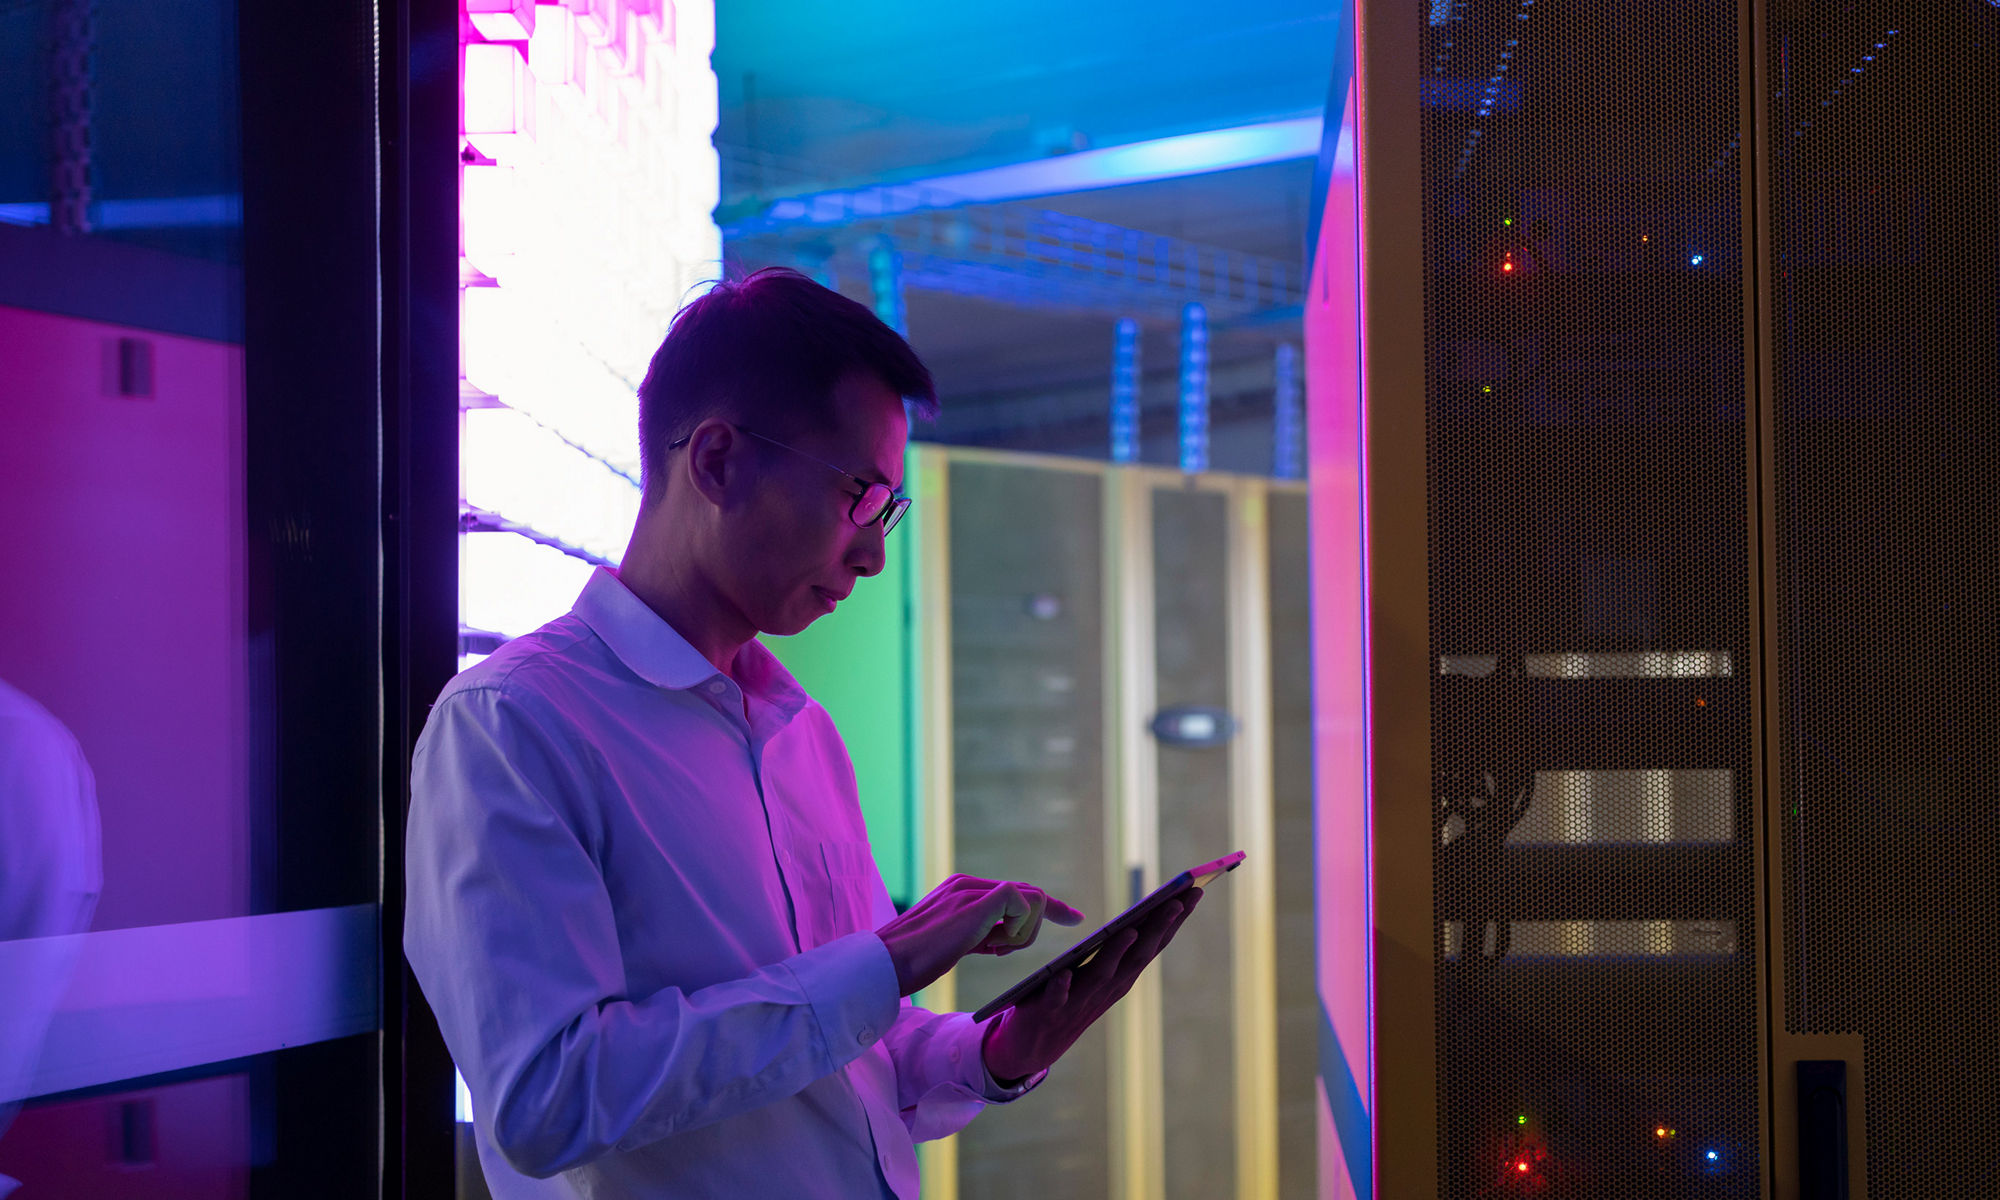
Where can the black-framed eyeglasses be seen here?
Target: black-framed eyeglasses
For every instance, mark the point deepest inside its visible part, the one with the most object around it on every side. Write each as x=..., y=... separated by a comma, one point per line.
x=877, y=503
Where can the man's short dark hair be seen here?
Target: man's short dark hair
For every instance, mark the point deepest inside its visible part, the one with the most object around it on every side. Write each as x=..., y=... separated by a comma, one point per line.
x=768, y=350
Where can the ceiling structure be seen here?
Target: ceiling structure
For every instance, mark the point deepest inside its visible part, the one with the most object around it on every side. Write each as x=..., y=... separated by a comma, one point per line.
x=819, y=97
x=887, y=90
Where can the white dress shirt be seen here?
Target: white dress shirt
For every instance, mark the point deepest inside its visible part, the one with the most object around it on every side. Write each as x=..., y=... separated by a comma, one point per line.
x=641, y=902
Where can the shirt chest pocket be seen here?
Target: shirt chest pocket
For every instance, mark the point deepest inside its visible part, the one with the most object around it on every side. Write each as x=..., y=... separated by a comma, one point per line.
x=851, y=882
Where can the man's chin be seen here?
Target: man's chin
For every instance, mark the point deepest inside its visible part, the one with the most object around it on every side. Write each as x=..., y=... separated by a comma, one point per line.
x=791, y=624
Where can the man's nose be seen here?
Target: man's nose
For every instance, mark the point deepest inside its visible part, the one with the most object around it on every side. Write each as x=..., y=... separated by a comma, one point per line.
x=868, y=554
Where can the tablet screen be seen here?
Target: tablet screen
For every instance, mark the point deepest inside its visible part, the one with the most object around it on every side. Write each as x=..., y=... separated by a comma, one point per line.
x=1085, y=950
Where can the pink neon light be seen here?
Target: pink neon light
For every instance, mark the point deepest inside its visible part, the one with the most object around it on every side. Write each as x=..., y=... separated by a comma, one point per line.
x=598, y=20
x=1337, y=440
x=630, y=58
x=499, y=98
x=502, y=20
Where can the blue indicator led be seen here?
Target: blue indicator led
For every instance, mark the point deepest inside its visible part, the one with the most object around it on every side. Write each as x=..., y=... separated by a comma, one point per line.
x=1695, y=261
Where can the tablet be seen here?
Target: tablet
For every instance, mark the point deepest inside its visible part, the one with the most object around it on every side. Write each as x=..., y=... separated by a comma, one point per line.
x=1086, y=949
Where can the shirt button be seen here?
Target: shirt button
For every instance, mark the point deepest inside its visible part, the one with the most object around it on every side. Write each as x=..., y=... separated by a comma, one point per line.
x=867, y=1036
x=718, y=687
x=956, y=1054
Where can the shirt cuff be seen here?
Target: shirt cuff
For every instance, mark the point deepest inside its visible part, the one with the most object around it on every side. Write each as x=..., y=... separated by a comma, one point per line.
x=851, y=985
x=980, y=1080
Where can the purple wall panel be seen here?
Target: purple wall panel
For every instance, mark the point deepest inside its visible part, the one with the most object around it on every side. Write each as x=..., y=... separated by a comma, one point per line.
x=123, y=546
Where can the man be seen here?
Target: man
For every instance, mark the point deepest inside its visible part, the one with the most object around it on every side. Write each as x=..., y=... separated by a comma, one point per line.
x=641, y=899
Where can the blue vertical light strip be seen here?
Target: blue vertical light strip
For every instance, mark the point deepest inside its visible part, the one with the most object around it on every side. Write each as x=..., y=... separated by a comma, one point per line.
x=1288, y=432
x=885, y=280
x=1334, y=117
x=885, y=283
x=1194, y=388
x=1125, y=392
x=817, y=262
x=1349, y=1110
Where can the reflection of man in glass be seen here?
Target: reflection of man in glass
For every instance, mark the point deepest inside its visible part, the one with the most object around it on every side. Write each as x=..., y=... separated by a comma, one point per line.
x=50, y=877
x=641, y=898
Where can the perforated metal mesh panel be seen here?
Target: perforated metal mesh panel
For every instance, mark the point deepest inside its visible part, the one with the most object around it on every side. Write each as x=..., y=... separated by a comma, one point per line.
x=1885, y=220
x=1595, y=875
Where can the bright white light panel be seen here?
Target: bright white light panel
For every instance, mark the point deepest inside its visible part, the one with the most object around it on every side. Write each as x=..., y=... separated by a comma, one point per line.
x=586, y=223
x=525, y=472
x=510, y=585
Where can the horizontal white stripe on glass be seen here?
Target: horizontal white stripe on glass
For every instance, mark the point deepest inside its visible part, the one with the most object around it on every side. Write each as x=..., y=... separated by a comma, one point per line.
x=169, y=997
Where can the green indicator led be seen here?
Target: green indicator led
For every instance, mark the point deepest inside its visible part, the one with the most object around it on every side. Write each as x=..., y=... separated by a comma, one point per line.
x=1506, y=220
x=1521, y=1120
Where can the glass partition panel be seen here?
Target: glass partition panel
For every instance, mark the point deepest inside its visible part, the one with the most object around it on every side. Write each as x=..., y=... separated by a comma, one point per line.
x=191, y=685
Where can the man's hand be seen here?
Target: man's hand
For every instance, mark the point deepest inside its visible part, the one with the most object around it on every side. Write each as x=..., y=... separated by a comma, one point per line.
x=1034, y=1034
x=966, y=915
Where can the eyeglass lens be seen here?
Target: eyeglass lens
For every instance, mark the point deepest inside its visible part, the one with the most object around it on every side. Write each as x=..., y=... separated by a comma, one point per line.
x=872, y=504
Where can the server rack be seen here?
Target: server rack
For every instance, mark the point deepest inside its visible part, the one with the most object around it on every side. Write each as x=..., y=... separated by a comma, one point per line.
x=1676, y=329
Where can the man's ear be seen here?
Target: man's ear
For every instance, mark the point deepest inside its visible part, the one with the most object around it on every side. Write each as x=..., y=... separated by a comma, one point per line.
x=715, y=460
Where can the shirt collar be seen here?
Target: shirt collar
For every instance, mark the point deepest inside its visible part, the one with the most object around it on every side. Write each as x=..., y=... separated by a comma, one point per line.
x=657, y=653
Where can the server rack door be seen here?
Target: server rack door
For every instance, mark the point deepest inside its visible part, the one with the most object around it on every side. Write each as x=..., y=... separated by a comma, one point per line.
x=1882, y=177
x=1595, y=901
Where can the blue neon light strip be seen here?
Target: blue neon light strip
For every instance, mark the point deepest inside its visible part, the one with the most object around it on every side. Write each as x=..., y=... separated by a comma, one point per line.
x=177, y=212
x=1350, y=1115
x=1125, y=393
x=1194, y=388
x=1330, y=125
x=885, y=279
x=1289, y=436
x=1113, y=166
